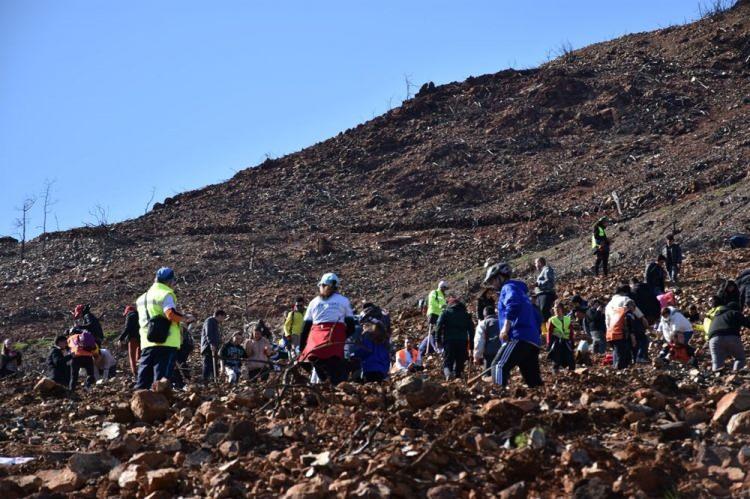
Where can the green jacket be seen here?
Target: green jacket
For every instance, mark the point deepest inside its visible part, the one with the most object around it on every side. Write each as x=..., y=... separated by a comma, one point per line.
x=455, y=324
x=436, y=302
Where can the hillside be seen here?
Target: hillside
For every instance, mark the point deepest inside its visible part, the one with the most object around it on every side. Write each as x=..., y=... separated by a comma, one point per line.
x=497, y=166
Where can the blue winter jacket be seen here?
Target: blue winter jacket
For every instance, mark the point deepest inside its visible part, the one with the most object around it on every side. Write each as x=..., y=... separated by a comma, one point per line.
x=514, y=305
x=374, y=357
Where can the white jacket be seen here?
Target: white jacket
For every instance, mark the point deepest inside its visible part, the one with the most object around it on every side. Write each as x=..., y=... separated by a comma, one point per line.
x=674, y=324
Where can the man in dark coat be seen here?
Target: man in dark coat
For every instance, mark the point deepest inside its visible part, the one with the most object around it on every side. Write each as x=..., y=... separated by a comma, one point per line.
x=455, y=332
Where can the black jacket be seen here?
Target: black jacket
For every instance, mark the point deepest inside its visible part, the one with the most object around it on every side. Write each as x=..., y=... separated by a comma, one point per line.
x=93, y=326
x=673, y=254
x=132, y=328
x=655, y=278
x=728, y=321
x=594, y=321
x=455, y=324
x=57, y=366
x=646, y=301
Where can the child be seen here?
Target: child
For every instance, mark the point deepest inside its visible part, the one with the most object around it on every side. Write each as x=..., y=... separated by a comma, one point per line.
x=559, y=341
x=374, y=352
x=58, y=361
x=259, y=351
x=231, y=355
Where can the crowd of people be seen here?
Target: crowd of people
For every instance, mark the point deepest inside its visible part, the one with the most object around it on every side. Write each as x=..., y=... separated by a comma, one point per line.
x=334, y=342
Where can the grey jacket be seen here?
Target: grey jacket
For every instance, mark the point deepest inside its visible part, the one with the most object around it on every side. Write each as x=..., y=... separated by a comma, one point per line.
x=546, y=280
x=210, y=335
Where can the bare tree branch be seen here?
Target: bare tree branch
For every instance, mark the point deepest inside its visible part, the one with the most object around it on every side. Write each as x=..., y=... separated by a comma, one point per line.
x=22, y=223
x=150, y=200
x=101, y=216
x=47, y=203
x=409, y=86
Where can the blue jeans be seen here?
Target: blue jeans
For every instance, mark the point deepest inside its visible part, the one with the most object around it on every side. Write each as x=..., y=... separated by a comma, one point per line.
x=640, y=352
x=622, y=354
x=156, y=363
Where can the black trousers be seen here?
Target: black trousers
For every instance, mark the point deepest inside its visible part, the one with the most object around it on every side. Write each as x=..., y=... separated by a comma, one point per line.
x=517, y=353
x=561, y=353
x=373, y=377
x=545, y=301
x=602, y=259
x=454, y=357
x=75, y=365
x=333, y=368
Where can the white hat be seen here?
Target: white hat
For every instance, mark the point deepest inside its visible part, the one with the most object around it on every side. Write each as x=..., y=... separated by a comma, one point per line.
x=443, y=285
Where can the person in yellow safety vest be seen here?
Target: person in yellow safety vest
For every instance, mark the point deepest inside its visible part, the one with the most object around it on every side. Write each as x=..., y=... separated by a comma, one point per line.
x=715, y=303
x=436, y=303
x=559, y=339
x=600, y=245
x=157, y=312
x=293, y=323
x=408, y=358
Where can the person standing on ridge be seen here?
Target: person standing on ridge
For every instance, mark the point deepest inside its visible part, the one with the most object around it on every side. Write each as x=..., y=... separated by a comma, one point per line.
x=673, y=253
x=600, y=245
x=210, y=341
x=545, y=287
x=329, y=320
x=520, y=328
x=160, y=329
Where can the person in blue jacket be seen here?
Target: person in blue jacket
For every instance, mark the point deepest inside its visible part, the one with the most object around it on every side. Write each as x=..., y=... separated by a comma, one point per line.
x=374, y=351
x=520, y=328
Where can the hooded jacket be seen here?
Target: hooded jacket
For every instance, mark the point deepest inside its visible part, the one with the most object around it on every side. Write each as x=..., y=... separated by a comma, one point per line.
x=131, y=329
x=514, y=306
x=455, y=323
x=728, y=321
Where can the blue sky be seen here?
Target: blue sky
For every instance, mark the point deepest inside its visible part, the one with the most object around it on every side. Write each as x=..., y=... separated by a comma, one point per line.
x=112, y=99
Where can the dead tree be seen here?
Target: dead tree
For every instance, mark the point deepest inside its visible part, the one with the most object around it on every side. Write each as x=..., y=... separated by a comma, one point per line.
x=22, y=222
x=47, y=203
x=150, y=200
x=101, y=216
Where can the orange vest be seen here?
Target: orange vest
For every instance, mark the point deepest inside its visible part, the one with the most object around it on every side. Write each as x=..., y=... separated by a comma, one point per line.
x=617, y=327
x=415, y=359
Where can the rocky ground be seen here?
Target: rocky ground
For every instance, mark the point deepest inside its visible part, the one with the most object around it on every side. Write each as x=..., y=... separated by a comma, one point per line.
x=671, y=431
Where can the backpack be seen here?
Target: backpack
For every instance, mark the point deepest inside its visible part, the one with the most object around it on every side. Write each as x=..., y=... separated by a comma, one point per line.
x=618, y=327
x=491, y=336
x=86, y=341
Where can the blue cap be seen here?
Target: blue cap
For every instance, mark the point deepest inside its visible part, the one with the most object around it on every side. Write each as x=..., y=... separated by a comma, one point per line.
x=164, y=274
